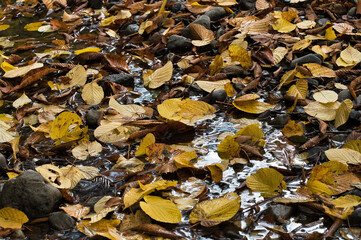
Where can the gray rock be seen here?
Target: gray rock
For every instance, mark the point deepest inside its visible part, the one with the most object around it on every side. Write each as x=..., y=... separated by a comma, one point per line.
x=323, y=21
x=178, y=43
x=247, y=4
x=344, y=94
x=176, y=7
x=355, y=218
x=312, y=82
x=358, y=99
x=281, y=211
x=203, y=20
x=91, y=118
x=355, y=115
x=3, y=162
x=131, y=29
x=309, y=58
x=216, y=13
x=219, y=95
x=280, y=120
x=30, y=193
x=123, y=79
x=352, y=12
x=95, y=4
x=61, y=221
x=233, y=70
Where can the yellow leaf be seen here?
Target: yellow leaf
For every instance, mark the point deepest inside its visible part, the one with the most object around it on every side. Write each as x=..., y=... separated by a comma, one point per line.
x=278, y=54
x=212, y=212
x=267, y=181
x=78, y=77
x=110, y=132
x=289, y=15
x=103, y=228
x=210, y=86
x=228, y=148
x=86, y=149
x=186, y=111
x=66, y=127
x=349, y=57
x=21, y=101
x=228, y=87
x=131, y=111
x=292, y=129
x=344, y=155
x=343, y=112
x=143, y=26
x=301, y=45
x=287, y=78
x=318, y=187
x=7, y=66
x=92, y=93
x=343, y=206
x=323, y=111
x=135, y=194
x=253, y=130
x=12, y=218
x=22, y=70
x=320, y=71
x=161, y=209
x=12, y=174
x=322, y=50
x=216, y=172
x=32, y=27
x=252, y=106
x=330, y=34
x=4, y=27
x=299, y=89
x=122, y=14
x=159, y=76
x=354, y=145
x=325, y=96
x=283, y=26
x=185, y=159
x=148, y=140
x=227, y=3
x=86, y=50
x=240, y=55
x=64, y=178
x=216, y=65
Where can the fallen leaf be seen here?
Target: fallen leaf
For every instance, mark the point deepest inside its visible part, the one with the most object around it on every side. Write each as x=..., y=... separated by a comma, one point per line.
x=12, y=218
x=92, y=93
x=267, y=181
x=240, y=55
x=86, y=149
x=161, y=209
x=21, y=101
x=325, y=96
x=343, y=112
x=159, y=76
x=148, y=140
x=21, y=71
x=344, y=155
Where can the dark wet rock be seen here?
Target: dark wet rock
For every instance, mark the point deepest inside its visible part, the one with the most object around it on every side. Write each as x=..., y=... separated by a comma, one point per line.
x=131, y=29
x=123, y=79
x=86, y=189
x=233, y=70
x=30, y=193
x=238, y=86
x=219, y=95
x=91, y=118
x=323, y=21
x=280, y=120
x=309, y=58
x=203, y=20
x=61, y=221
x=358, y=99
x=178, y=43
x=216, y=13
x=155, y=38
x=355, y=218
x=95, y=4
x=317, y=153
x=355, y=115
x=312, y=82
x=352, y=12
x=178, y=6
x=281, y=211
x=247, y=4
x=344, y=94
x=3, y=162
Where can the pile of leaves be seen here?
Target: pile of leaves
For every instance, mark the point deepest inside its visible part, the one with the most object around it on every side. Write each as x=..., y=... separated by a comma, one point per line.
x=66, y=114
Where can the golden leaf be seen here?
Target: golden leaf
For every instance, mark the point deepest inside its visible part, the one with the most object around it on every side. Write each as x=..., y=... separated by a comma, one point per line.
x=185, y=159
x=283, y=26
x=92, y=93
x=104, y=227
x=64, y=178
x=228, y=148
x=110, y=132
x=292, y=129
x=212, y=212
x=287, y=78
x=186, y=111
x=32, y=27
x=4, y=27
x=210, y=86
x=12, y=218
x=86, y=50
x=324, y=51
x=216, y=172
x=325, y=96
x=216, y=65
x=267, y=181
x=330, y=34
x=278, y=54
x=344, y=155
x=354, y=145
x=349, y=57
x=343, y=206
x=301, y=45
x=7, y=66
x=252, y=106
x=20, y=71
x=161, y=209
x=343, y=112
x=320, y=71
x=299, y=89
x=148, y=140
x=21, y=101
x=240, y=55
x=323, y=111
x=143, y=26
x=86, y=149
x=159, y=76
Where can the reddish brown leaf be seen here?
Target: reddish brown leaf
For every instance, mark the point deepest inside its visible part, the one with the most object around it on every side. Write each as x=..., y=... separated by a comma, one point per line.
x=32, y=77
x=116, y=62
x=156, y=230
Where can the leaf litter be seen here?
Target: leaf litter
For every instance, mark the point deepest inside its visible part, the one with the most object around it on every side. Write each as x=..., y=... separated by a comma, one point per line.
x=189, y=128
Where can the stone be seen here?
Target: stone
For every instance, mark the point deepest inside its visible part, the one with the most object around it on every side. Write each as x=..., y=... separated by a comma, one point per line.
x=155, y=38
x=219, y=95
x=61, y=221
x=233, y=70
x=247, y=4
x=281, y=211
x=358, y=99
x=178, y=43
x=312, y=82
x=344, y=94
x=131, y=29
x=355, y=115
x=352, y=12
x=309, y=58
x=323, y=21
x=280, y=120
x=3, y=162
x=91, y=118
x=95, y=4
x=203, y=20
x=178, y=6
x=355, y=218
x=30, y=193
x=216, y=13
x=123, y=79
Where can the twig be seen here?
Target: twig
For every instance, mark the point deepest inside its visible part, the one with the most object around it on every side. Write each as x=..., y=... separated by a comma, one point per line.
x=336, y=224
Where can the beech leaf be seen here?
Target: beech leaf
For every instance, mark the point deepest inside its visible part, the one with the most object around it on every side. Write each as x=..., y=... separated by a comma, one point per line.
x=159, y=76
x=161, y=209
x=267, y=181
x=12, y=218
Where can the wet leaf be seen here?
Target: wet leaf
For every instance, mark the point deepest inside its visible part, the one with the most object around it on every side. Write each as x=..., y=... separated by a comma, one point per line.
x=185, y=159
x=344, y=155
x=212, y=212
x=92, y=93
x=343, y=206
x=292, y=129
x=267, y=181
x=33, y=26
x=330, y=34
x=325, y=96
x=85, y=50
x=301, y=45
x=283, y=26
x=161, y=209
x=104, y=227
x=12, y=218
x=186, y=111
x=148, y=140
x=252, y=106
x=159, y=76
x=228, y=148
x=21, y=71
x=240, y=55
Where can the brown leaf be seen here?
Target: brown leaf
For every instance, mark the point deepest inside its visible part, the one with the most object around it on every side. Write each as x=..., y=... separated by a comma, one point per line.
x=116, y=62
x=355, y=84
x=156, y=230
x=32, y=77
